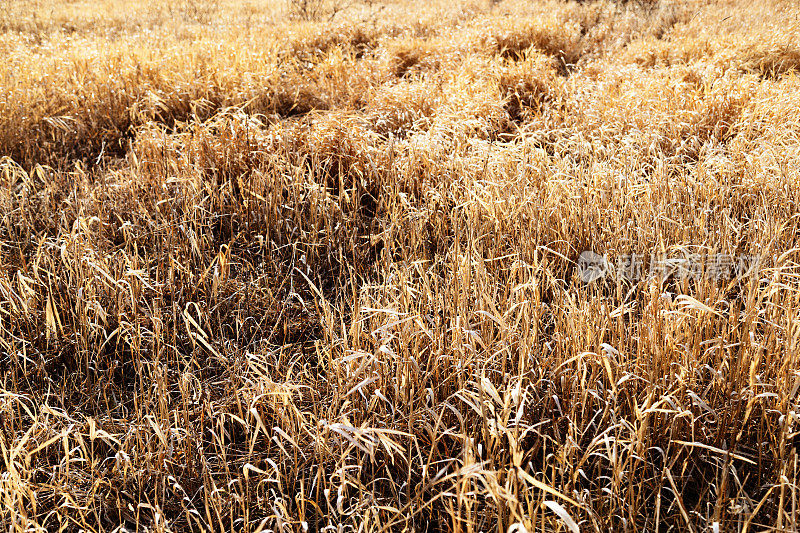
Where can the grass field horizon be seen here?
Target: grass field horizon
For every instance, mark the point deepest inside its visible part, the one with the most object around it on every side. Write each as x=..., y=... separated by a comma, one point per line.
x=393, y=266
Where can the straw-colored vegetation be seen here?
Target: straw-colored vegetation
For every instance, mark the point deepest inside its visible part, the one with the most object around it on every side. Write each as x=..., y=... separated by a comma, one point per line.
x=301, y=266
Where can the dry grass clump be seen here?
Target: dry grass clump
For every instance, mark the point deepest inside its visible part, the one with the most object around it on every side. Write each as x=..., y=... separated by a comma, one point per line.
x=769, y=48
x=265, y=274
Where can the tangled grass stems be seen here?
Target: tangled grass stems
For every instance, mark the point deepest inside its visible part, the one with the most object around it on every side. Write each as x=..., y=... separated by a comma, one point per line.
x=264, y=273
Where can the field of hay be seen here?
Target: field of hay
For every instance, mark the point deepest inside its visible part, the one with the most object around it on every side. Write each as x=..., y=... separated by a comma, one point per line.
x=304, y=266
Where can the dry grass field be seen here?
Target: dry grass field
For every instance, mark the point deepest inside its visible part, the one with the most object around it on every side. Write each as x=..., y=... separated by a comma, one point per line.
x=291, y=266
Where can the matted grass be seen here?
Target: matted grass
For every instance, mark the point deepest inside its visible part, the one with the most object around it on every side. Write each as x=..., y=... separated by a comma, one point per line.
x=259, y=272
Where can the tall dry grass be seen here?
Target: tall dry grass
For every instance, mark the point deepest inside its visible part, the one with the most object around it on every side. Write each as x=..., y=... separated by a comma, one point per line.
x=259, y=273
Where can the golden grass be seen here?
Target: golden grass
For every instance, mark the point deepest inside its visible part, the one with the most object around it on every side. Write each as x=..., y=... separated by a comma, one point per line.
x=262, y=273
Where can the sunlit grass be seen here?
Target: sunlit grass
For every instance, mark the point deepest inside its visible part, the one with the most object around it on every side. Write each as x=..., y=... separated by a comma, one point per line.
x=259, y=272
